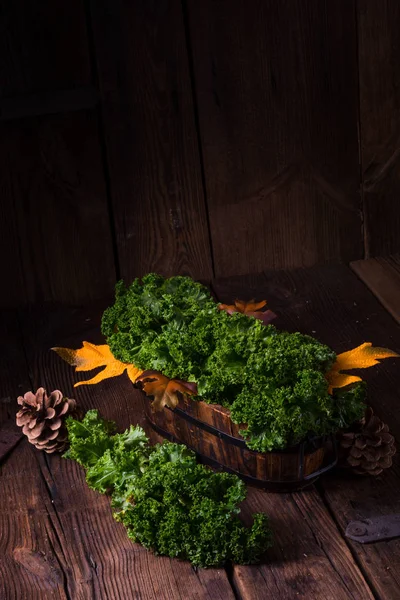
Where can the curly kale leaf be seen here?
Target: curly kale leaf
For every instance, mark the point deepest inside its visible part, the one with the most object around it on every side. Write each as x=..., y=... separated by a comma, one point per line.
x=348, y=405
x=168, y=502
x=109, y=460
x=89, y=439
x=184, y=510
x=162, y=324
x=273, y=382
x=279, y=417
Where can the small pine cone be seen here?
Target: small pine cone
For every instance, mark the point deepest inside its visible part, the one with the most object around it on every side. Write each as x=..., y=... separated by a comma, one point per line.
x=368, y=447
x=42, y=419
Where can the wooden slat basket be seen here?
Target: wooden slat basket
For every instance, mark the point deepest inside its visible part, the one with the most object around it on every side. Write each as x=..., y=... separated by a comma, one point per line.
x=208, y=430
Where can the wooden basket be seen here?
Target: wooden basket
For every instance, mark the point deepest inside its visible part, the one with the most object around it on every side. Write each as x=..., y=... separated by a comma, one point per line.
x=208, y=430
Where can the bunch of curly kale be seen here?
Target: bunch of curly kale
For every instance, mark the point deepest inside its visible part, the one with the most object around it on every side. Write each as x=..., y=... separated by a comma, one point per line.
x=168, y=502
x=272, y=382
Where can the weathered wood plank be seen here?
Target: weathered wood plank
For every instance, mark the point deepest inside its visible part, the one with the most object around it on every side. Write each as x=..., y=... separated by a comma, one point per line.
x=13, y=367
x=47, y=103
x=54, y=229
x=152, y=144
x=57, y=240
x=101, y=561
x=32, y=564
x=332, y=304
x=276, y=86
x=379, y=55
x=28, y=563
x=212, y=446
x=382, y=276
x=10, y=436
x=36, y=49
x=309, y=559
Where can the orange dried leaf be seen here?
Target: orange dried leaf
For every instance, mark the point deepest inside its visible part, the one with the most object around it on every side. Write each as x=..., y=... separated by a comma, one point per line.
x=362, y=357
x=229, y=308
x=91, y=356
x=250, y=308
x=164, y=390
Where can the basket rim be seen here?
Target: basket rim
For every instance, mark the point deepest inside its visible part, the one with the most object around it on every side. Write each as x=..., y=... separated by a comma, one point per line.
x=307, y=446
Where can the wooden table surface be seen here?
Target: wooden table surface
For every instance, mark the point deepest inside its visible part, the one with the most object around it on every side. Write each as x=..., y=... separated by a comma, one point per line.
x=58, y=539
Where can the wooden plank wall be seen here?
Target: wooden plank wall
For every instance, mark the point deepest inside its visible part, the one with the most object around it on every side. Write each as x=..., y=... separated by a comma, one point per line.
x=55, y=238
x=207, y=138
x=277, y=95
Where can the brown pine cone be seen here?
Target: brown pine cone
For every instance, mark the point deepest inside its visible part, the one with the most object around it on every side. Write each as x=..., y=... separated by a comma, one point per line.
x=369, y=447
x=42, y=419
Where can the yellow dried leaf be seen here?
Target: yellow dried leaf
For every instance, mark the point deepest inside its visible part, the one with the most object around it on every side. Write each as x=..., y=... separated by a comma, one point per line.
x=362, y=357
x=91, y=356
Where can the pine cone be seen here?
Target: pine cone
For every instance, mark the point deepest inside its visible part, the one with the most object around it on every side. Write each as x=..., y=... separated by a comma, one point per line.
x=368, y=448
x=42, y=419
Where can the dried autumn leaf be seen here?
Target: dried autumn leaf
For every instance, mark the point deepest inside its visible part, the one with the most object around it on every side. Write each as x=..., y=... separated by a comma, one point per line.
x=91, y=356
x=251, y=309
x=164, y=390
x=362, y=357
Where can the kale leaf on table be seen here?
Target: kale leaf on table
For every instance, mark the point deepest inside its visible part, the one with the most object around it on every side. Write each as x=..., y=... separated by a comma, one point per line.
x=168, y=502
x=273, y=382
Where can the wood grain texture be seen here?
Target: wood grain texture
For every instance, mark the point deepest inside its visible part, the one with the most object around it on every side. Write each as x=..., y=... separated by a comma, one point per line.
x=379, y=55
x=152, y=144
x=45, y=103
x=14, y=376
x=28, y=566
x=332, y=304
x=94, y=557
x=276, y=468
x=57, y=242
x=382, y=276
x=31, y=561
x=10, y=436
x=277, y=94
x=14, y=380
x=54, y=230
x=309, y=559
x=43, y=46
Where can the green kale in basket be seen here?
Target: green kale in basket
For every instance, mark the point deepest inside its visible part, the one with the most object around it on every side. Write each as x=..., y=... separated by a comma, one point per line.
x=168, y=502
x=272, y=382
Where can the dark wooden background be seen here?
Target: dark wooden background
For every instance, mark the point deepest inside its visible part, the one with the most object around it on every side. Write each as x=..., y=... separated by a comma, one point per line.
x=203, y=137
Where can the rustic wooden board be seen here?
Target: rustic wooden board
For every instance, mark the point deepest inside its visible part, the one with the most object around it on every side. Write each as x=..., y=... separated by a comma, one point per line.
x=57, y=241
x=276, y=86
x=14, y=376
x=43, y=46
x=28, y=564
x=152, y=145
x=382, y=276
x=32, y=563
x=54, y=228
x=310, y=559
x=95, y=557
x=13, y=289
x=334, y=305
x=379, y=55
